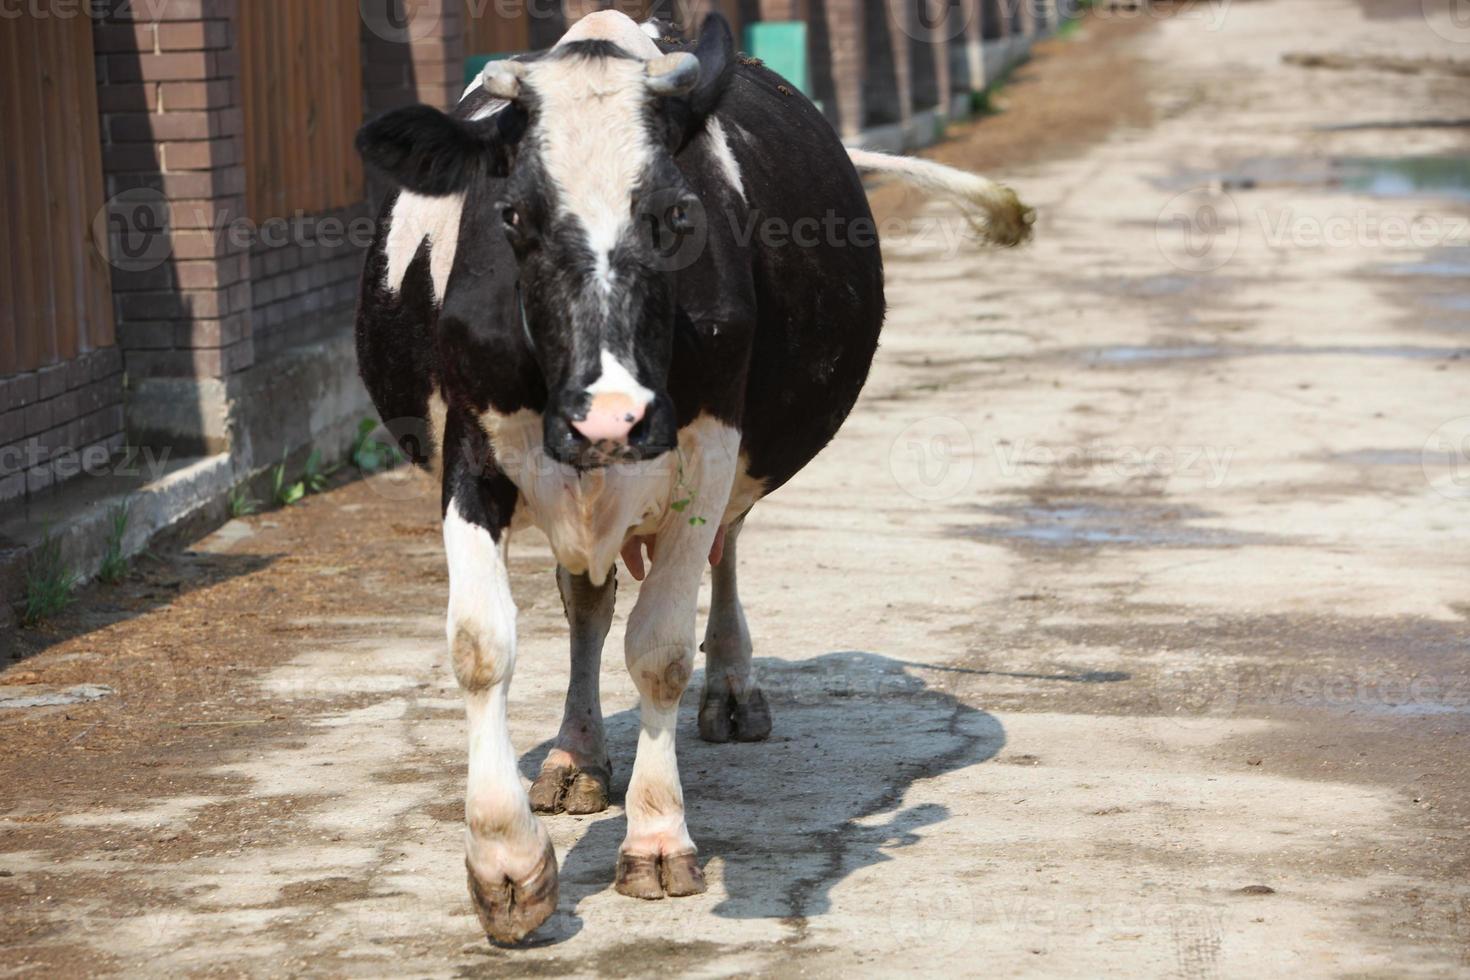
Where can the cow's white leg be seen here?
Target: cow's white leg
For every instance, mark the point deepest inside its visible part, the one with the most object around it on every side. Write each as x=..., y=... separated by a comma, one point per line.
x=657, y=856
x=576, y=774
x=511, y=864
x=732, y=707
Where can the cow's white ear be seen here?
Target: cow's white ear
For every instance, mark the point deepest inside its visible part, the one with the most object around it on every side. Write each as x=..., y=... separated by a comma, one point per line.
x=672, y=74
x=502, y=79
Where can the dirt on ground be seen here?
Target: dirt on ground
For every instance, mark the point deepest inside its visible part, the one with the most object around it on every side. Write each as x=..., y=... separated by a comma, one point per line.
x=1125, y=628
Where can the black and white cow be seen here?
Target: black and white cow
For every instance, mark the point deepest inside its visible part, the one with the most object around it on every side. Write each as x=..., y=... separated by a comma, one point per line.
x=566, y=314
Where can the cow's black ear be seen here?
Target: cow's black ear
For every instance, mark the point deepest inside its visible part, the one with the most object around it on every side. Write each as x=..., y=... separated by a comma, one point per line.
x=425, y=151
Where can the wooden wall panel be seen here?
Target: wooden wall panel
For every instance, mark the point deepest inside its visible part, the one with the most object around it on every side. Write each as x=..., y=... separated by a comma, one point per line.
x=302, y=89
x=498, y=26
x=55, y=290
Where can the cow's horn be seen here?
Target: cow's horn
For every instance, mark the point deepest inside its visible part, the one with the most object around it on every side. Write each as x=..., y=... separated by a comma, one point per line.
x=502, y=79
x=672, y=74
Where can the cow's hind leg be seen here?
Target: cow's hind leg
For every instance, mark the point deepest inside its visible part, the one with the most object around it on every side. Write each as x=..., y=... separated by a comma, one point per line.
x=576, y=774
x=732, y=707
x=508, y=854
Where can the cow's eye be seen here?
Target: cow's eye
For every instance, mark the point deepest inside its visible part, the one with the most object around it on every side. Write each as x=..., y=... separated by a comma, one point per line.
x=679, y=217
x=511, y=218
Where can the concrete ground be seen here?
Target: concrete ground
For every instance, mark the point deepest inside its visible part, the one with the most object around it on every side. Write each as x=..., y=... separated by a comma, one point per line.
x=1123, y=630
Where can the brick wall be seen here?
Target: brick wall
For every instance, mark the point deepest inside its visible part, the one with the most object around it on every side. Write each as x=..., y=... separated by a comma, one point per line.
x=58, y=420
x=304, y=290
x=172, y=126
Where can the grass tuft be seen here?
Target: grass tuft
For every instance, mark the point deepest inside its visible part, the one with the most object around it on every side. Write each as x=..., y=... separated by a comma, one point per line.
x=242, y=504
x=49, y=584
x=114, y=564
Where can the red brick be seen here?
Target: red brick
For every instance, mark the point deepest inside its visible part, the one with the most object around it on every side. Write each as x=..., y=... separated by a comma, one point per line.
x=108, y=362
x=129, y=157
x=123, y=36
x=135, y=127
x=176, y=10
x=133, y=97
x=224, y=63
x=203, y=362
x=133, y=307
x=182, y=95
x=143, y=280
x=228, y=122
x=238, y=357
x=147, y=335
x=193, y=36
x=197, y=154
x=158, y=67
x=199, y=245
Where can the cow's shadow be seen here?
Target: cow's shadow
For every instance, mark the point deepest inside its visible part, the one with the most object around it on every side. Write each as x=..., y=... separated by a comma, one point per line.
x=791, y=817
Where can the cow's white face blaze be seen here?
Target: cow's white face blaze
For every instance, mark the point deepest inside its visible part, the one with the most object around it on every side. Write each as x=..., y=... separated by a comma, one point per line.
x=591, y=197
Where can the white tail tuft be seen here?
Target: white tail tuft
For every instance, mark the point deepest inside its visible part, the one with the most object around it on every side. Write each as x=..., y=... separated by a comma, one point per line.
x=993, y=209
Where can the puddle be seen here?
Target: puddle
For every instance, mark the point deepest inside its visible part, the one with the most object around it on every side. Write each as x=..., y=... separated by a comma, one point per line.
x=1376, y=176
x=1073, y=525
x=1408, y=176
x=12, y=697
x=1126, y=354
x=1380, y=457
x=1457, y=303
x=1449, y=263
x=1146, y=354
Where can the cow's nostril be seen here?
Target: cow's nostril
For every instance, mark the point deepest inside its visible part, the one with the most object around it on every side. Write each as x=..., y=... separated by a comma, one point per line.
x=610, y=417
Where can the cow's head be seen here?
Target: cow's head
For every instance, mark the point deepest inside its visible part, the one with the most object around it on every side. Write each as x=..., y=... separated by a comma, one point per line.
x=591, y=199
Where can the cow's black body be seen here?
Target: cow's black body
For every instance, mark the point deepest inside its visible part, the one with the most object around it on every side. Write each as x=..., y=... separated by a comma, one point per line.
x=772, y=336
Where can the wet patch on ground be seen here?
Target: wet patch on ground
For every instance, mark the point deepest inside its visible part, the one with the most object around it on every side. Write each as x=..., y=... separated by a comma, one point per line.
x=1091, y=524
x=1431, y=176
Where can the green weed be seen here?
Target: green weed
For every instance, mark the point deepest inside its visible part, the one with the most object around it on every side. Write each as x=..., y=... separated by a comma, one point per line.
x=114, y=563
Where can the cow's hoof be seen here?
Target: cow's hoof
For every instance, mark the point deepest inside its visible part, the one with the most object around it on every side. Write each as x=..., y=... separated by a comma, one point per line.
x=509, y=910
x=571, y=789
x=725, y=717
x=652, y=876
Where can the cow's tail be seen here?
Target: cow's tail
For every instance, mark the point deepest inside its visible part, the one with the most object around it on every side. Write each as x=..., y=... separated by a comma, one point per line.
x=993, y=209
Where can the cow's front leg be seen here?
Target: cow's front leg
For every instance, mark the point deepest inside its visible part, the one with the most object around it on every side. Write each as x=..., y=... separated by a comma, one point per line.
x=576, y=774
x=658, y=857
x=732, y=707
x=511, y=864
